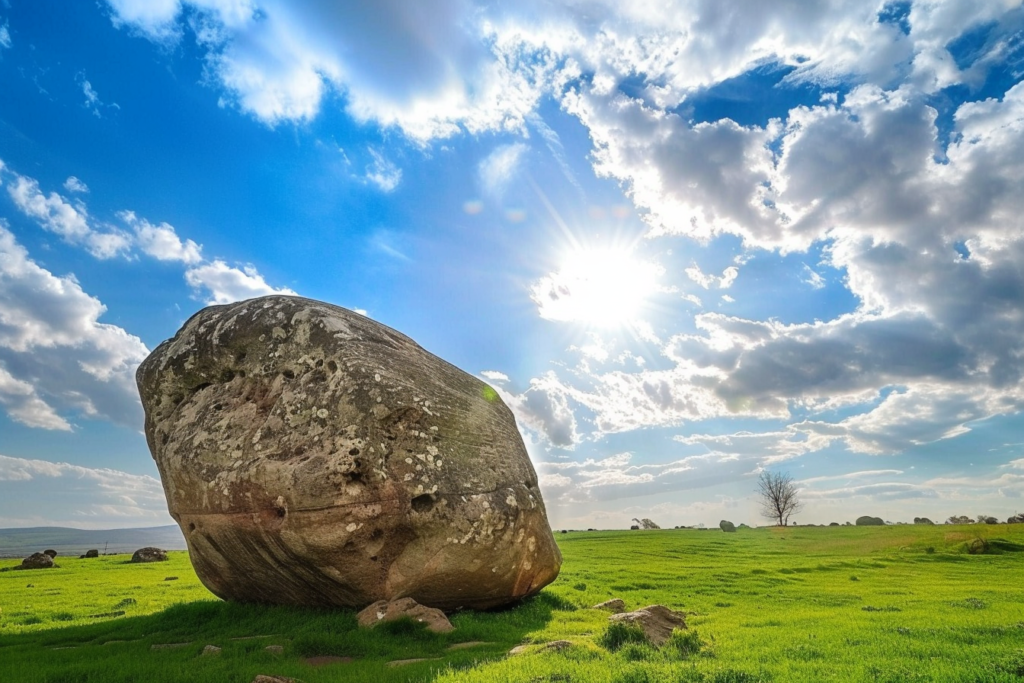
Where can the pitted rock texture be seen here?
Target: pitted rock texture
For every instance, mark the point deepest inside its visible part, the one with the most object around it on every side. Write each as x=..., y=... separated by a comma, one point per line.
x=313, y=456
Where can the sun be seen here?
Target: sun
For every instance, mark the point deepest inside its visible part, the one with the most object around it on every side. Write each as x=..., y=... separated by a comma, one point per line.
x=597, y=287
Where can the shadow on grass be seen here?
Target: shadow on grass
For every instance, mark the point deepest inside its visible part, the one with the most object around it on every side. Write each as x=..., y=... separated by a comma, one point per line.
x=168, y=645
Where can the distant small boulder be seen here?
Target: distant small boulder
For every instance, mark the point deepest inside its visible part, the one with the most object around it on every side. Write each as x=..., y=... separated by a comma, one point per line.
x=615, y=605
x=833, y=523
x=867, y=520
x=37, y=561
x=727, y=526
x=923, y=520
x=149, y=554
x=634, y=528
x=51, y=553
x=92, y=553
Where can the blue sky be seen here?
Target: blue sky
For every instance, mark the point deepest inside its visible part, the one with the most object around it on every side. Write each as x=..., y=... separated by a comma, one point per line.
x=683, y=241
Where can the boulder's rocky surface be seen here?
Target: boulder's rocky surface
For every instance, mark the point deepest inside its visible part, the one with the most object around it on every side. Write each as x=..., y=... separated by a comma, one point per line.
x=149, y=554
x=727, y=526
x=615, y=605
x=91, y=553
x=384, y=610
x=656, y=621
x=37, y=561
x=314, y=456
x=51, y=553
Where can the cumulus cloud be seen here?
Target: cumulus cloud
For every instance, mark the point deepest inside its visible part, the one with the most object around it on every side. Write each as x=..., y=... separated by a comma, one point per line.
x=5, y=36
x=73, y=184
x=226, y=284
x=494, y=375
x=62, y=217
x=55, y=354
x=161, y=241
x=89, y=497
x=544, y=409
x=425, y=69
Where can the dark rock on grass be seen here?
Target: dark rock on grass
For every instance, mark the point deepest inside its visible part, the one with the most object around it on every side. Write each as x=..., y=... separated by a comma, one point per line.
x=656, y=621
x=90, y=554
x=313, y=456
x=37, y=561
x=727, y=526
x=383, y=610
x=52, y=553
x=615, y=605
x=149, y=554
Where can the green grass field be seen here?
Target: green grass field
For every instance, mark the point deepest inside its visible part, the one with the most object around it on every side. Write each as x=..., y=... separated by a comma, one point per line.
x=898, y=603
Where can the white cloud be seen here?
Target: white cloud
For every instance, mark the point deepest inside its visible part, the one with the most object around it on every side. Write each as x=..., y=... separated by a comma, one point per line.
x=495, y=376
x=54, y=352
x=161, y=241
x=383, y=173
x=69, y=220
x=226, y=284
x=544, y=408
x=5, y=36
x=80, y=496
x=22, y=404
x=500, y=166
x=812, y=278
x=73, y=184
x=707, y=281
x=425, y=69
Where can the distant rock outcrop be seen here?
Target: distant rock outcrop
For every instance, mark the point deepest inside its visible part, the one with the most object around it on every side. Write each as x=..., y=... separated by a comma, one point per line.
x=313, y=456
x=727, y=526
x=149, y=555
x=870, y=521
x=91, y=553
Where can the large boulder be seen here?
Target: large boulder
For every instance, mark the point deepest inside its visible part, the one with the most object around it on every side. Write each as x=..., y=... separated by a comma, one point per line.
x=313, y=456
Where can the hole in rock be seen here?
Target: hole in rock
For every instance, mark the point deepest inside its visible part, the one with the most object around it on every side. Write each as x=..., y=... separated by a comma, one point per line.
x=288, y=374
x=319, y=363
x=227, y=375
x=240, y=356
x=192, y=526
x=355, y=477
x=217, y=406
x=281, y=512
x=423, y=503
x=354, y=451
x=199, y=387
x=332, y=366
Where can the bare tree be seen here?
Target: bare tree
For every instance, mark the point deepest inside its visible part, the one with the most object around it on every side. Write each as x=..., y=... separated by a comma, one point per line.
x=646, y=523
x=778, y=496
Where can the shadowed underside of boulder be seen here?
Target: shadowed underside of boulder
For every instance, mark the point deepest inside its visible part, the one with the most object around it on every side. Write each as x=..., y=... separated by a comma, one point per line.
x=314, y=456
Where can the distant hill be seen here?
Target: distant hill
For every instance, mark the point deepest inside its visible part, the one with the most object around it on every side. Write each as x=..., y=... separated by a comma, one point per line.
x=67, y=541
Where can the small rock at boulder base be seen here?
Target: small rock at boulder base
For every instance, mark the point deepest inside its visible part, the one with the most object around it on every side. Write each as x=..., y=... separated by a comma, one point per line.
x=383, y=610
x=614, y=605
x=313, y=456
x=92, y=553
x=37, y=561
x=149, y=555
x=656, y=621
